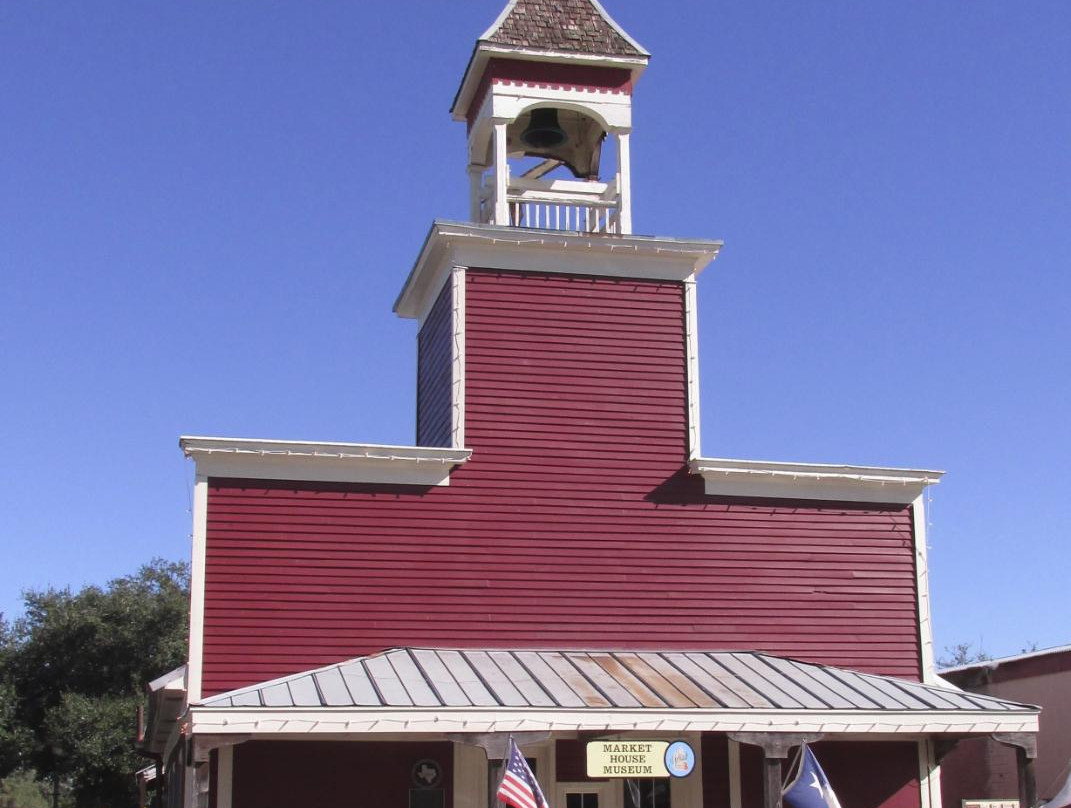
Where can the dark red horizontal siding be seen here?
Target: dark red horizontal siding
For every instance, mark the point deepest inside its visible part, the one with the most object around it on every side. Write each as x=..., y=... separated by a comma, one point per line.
x=283, y=774
x=435, y=373
x=574, y=524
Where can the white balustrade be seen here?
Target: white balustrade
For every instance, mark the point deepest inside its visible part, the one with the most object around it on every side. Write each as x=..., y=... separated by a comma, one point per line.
x=588, y=207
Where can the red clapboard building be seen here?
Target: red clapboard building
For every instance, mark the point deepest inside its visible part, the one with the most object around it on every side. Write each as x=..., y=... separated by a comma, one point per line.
x=554, y=559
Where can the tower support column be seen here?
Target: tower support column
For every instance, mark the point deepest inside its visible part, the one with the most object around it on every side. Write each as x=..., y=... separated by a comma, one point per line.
x=501, y=173
x=624, y=183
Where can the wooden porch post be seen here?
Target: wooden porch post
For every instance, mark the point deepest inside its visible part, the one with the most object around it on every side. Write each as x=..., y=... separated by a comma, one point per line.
x=1026, y=753
x=1028, y=787
x=771, y=784
x=775, y=747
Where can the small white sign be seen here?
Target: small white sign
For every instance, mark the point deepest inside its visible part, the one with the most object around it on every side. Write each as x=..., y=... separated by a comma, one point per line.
x=990, y=803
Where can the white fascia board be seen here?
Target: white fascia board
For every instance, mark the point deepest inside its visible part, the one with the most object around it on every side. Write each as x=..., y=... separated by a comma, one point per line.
x=485, y=51
x=922, y=591
x=510, y=100
x=452, y=244
x=776, y=480
x=379, y=720
x=172, y=680
x=322, y=461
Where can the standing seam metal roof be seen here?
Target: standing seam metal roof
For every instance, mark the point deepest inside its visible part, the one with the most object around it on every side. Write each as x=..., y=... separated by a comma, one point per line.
x=427, y=677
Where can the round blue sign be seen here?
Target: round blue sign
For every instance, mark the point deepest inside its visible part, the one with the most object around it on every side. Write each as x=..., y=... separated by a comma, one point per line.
x=680, y=759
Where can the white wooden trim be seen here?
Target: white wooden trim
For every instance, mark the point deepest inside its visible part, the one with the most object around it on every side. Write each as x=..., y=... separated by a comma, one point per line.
x=687, y=792
x=475, y=187
x=691, y=336
x=929, y=775
x=509, y=100
x=764, y=478
x=485, y=51
x=624, y=182
x=373, y=721
x=501, y=18
x=734, y=774
x=609, y=791
x=322, y=461
x=470, y=776
x=501, y=166
x=225, y=777
x=613, y=24
x=451, y=244
x=922, y=587
x=197, y=588
x=457, y=409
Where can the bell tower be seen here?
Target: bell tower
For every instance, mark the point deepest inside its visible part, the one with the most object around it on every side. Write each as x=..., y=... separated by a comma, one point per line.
x=544, y=320
x=548, y=84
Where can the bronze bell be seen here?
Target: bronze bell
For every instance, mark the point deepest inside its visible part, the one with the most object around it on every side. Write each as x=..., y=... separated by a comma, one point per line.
x=543, y=131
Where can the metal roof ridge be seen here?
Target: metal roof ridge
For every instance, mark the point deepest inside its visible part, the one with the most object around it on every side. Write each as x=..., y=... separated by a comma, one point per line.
x=998, y=661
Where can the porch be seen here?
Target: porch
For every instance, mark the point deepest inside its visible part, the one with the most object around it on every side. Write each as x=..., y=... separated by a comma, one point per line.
x=427, y=728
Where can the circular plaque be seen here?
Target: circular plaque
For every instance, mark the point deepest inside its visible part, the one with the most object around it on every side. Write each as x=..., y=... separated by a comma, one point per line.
x=680, y=759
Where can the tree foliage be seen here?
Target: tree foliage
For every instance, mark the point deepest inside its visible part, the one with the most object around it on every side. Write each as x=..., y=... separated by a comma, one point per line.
x=73, y=670
x=962, y=653
x=24, y=790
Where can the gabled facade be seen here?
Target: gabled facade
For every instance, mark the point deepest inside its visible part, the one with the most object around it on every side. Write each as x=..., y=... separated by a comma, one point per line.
x=555, y=557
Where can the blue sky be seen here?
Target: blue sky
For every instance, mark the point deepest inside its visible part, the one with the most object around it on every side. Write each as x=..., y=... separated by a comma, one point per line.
x=207, y=209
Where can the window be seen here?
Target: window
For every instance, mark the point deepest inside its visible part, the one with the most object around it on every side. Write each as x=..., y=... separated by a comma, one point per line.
x=647, y=794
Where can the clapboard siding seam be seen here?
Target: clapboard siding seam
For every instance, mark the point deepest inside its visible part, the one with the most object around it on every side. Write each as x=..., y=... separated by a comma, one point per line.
x=576, y=414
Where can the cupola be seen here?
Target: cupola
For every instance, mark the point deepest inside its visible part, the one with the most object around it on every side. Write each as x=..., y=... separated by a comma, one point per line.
x=548, y=83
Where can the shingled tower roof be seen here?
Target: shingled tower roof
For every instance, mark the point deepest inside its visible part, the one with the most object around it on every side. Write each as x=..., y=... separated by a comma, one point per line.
x=570, y=26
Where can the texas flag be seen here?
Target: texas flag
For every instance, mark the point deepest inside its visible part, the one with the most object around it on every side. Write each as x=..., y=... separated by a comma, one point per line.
x=810, y=789
x=1063, y=796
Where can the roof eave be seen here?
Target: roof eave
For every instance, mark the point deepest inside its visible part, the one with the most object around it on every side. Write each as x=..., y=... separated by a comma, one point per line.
x=265, y=721
x=323, y=461
x=812, y=481
x=484, y=51
x=468, y=244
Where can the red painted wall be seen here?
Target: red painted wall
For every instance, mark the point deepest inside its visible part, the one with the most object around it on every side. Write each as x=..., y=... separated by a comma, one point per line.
x=575, y=523
x=285, y=774
x=434, y=369
x=985, y=769
x=874, y=774
x=548, y=74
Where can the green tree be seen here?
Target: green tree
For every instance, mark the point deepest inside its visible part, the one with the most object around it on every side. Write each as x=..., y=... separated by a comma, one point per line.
x=74, y=668
x=24, y=790
x=962, y=654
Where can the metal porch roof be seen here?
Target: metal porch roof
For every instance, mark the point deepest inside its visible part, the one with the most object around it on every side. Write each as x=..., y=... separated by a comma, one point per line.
x=600, y=680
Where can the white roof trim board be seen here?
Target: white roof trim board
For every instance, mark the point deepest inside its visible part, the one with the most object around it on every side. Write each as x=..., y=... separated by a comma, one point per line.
x=450, y=244
x=322, y=461
x=765, y=478
x=451, y=690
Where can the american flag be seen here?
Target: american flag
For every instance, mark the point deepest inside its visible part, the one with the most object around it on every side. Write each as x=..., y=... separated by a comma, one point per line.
x=519, y=787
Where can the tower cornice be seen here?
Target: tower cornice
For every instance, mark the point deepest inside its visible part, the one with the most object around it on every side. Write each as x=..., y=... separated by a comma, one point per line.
x=484, y=52
x=450, y=244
